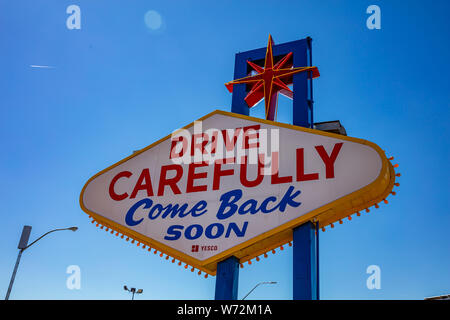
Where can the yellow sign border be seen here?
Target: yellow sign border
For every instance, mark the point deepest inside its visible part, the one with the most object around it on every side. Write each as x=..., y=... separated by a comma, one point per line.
x=343, y=207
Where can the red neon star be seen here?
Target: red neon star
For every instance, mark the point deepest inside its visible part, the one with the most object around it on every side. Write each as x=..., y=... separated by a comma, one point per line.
x=270, y=80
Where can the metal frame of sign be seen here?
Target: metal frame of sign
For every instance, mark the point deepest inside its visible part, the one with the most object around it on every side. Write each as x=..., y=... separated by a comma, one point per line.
x=350, y=204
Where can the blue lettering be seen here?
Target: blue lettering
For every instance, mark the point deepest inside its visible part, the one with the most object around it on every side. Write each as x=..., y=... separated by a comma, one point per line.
x=198, y=232
x=175, y=234
x=173, y=210
x=226, y=202
x=157, y=207
x=212, y=231
x=228, y=207
x=198, y=207
x=239, y=233
x=251, y=204
x=129, y=216
x=288, y=199
x=263, y=207
x=209, y=231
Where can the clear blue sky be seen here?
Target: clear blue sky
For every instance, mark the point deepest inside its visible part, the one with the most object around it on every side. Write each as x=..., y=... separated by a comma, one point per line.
x=117, y=86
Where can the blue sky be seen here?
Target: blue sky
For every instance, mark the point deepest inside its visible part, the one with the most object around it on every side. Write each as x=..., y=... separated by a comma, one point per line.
x=117, y=86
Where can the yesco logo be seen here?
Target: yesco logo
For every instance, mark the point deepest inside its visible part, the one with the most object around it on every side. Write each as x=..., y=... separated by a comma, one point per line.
x=196, y=248
x=228, y=182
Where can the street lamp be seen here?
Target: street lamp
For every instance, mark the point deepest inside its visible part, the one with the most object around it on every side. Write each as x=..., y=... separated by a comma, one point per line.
x=133, y=291
x=267, y=282
x=23, y=245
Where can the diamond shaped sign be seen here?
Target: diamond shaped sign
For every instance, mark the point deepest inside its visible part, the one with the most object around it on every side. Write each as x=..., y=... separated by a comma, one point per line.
x=232, y=185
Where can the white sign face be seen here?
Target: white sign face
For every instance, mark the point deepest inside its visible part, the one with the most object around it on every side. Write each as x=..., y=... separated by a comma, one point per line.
x=202, y=191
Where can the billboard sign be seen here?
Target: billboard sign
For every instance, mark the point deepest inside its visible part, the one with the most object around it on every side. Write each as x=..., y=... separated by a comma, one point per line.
x=233, y=185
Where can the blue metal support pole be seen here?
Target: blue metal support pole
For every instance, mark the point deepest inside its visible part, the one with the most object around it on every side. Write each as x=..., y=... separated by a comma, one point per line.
x=238, y=104
x=306, y=236
x=305, y=268
x=227, y=278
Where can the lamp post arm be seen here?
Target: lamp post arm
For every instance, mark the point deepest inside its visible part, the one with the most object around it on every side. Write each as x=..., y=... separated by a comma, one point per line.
x=251, y=290
x=42, y=237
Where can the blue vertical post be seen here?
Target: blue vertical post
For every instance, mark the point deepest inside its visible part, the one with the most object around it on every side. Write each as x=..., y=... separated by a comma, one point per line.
x=305, y=237
x=301, y=105
x=238, y=104
x=227, y=278
x=305, y=263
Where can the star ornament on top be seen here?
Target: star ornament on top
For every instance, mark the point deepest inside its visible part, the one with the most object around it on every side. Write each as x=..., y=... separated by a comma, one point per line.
x=271, y=80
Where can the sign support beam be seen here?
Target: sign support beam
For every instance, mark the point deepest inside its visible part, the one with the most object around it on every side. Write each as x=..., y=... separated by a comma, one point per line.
x=305, y=237
x=306, y=262
x=227, y=279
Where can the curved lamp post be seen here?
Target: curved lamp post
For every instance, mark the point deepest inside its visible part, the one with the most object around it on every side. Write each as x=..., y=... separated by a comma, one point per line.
x=267, y=282
x=23, y=246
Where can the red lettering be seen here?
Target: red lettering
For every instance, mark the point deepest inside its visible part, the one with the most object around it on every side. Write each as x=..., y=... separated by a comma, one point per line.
x=230, y=143
x=144, y=183
x=218, y=172
x=112, y=193
x=193, y=176
x=259, y=178
x=214, y=138
x=184, y=147
x=196, y=145
x=329, y=160
x=226, y=160
x=251, y=132
x=171, y=182
x=301, y=175
x=275, y=179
